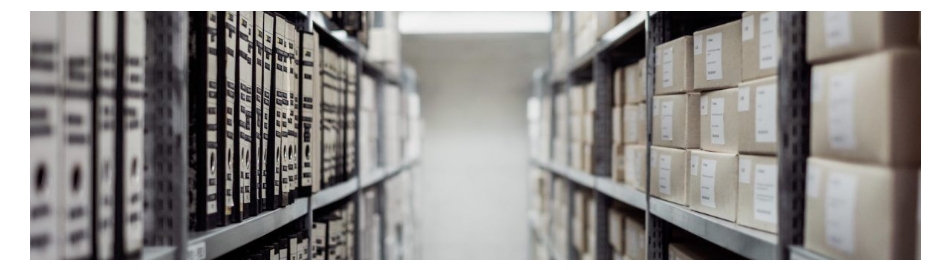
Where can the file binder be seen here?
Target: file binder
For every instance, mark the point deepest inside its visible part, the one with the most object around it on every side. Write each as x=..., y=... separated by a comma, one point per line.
x=76, y=102
x=104, y=119
x=271, y=117
x=243, y=105
x=257, y=175
x=227, y=36
x=292, y=109
x=305, y=125
x=45, y=133
x=131, y=99
x=281, y=91
x=203, y=121
x=318, y=235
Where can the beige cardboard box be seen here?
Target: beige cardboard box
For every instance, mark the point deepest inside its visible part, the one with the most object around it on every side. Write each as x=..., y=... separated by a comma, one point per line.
x=615, y=229
x=577, y=155
x=635, y=166
x=717, y=59
x=590, y=97
x=580, y=220
x=618, y=127
x=840, y=34
x=676, y=121
x=867, y=109
x=577, y=95
x=758, y=193
x=631, y=132
x=758, y=117
x=713, y=184
x=719, y=121
x=617, y=174
x=619, y=87
x=669, y=178
x=633, y=92
x=562, y=103
x=588, y=159
x=641, y=123
x=591, y=226
x=635, y=239
x=857, y=211
x=674, y=67
x=559, y=151
x=577, y=127
x=588, y=123
x=761, y=44
x=641, y=77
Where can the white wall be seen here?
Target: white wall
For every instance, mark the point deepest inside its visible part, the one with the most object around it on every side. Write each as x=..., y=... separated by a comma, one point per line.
x=474, y=89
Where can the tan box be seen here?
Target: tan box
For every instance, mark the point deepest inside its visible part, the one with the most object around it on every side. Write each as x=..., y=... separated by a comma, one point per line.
x=562, y=103
x=758, y=117
x=676, y=121
x=761, y=44
x=867, y=109
x=588, y=123
x=719, y=121
x=587, y=161
x=577, y=95
x=615, y=229
x=617, y=174
x=674, y=67
x=591, y=226
x=631, y=132
x=717, y=60
x=758, y=193
x=619, y=87
x=580, y=221
x=642, y=80
x=859, y=212
x=635, y=166
x=641, y=123
x=840, y=34
x=618, y=125
x=577, y=127
x=631, y=87
x=590, y=97
x=635, y=239
x=713, y=181
x=669, y=178
x=577, y=155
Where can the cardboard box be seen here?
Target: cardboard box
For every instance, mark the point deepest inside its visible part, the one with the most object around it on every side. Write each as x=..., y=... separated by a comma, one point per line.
x=577, y=155
x=579, y=236
x=577, y=95
x=631, y=86
x=615, y=229
x=867, y=109
x=562, y=103
x=674, y=67
x=761, y=44
x=855, y=211
x=635, y=166
x=591, y=227
x=590, y=97
x=717, y=60
x=841, y=34
x=631, y=132
x=618, y=125
x=635, y=238
x=758, y=193
x=587, y=164
x=719, y=121
x=619, y=87
x=758, y=117
x=676, y=121
x=669, y=178
x=588, y=124
x=641, y=78
x=617, y=174
x=641, y=123
x=577, y=127
x=713, y=183
x=559, y=150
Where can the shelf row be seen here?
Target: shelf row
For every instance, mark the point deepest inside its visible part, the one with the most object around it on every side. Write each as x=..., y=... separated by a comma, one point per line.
x=533, y=218
x=621, y=32
x=339, y=37
x=605, y=185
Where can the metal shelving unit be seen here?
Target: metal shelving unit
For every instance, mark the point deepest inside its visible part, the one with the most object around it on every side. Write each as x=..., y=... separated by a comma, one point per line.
x=622, y=193
x=576, y=176
x=800, y=253
x=220, y=241
x=158, y=253
x=750, y=243
x=620, y=33
x=382, y=174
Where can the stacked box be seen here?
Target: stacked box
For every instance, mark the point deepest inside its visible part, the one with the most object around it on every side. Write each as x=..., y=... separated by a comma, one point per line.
x=590, y=25
x=581, y=122
x=862, y=180
x=630, y=125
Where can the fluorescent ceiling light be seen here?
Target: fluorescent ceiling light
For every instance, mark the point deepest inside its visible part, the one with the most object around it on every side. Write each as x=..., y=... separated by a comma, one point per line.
x=452, y=22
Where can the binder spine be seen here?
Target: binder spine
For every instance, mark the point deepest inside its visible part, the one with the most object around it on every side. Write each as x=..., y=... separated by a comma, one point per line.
x=131, y=98
x=292, y=109
x=203, y=121
x=316, y=133
x=45, y=133
x=280, y=89
x=306, y=114
x=257, y=68
x=227, y=35
x=243, y=104
x=272, y=113
x=104, y=119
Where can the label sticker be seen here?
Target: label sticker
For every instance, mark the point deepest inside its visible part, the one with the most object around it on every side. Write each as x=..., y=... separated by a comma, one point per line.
x=768, y=40
x=703, y=105
x=837, y=28
x=668, y=67
x=707, y=183
x=743, y=99
x=667, y=121
x=717, y=134
x=766, y=113
x=665, y=164
x=197, y=251
x=748, y=28
x=812, y=178
x=765, y=194
x=714, y=57
x=816, y=84
x=694, y=165
x=840, y=197
x=745, y=170
x=698, y=45
x=841, y=111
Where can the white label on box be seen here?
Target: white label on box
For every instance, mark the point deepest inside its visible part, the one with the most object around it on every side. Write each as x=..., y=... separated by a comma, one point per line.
x=765, y=113
x=665, y=170
x=668, y=67
x=694, y=165
x=765, y=195
x=714, y=57
x=812, y=177
x=841, y=111
x=717, y=134
x=768, y=40
x=748, y=27
x=837, y=28
x=745, y=170
x=698, y=45
x=840, y=200
x=707, y=183
x=743, y=99
x=703, y=105
x=667, y=121
x=816, y=83
x=198, y=251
